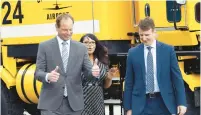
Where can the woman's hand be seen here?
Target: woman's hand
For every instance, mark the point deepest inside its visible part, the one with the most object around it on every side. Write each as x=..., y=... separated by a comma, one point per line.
x=112, y=72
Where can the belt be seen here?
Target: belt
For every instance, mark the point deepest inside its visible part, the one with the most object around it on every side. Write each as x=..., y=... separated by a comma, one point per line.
x=92, y=84
x=153, y=95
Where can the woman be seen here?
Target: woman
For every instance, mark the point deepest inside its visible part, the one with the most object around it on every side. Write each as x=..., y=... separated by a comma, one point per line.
x=93, y=88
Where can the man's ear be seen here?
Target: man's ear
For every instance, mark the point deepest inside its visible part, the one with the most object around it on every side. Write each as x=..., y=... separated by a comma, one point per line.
x=155, y=34
x=56, y=27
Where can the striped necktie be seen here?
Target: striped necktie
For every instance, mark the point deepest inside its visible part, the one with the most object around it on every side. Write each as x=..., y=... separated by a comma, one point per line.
x=65, y=61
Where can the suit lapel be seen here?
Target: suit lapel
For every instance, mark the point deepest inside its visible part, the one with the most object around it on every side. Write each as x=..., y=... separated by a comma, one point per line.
x=56, y=54
x=158, y=59
x=71, y=55
x=142, y=63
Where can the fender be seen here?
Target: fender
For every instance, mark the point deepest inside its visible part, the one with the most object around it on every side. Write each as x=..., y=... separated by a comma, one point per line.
x=8, y=79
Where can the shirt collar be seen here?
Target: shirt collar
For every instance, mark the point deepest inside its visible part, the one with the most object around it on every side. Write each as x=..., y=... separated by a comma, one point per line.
x=61, y=41
x=153, y=45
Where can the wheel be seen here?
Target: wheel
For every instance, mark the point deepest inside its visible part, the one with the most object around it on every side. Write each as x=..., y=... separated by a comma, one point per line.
x=32, y=109
x=191, y=109
x=10, y=102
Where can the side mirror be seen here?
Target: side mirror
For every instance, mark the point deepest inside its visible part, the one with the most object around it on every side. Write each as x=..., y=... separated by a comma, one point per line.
x=181, y=2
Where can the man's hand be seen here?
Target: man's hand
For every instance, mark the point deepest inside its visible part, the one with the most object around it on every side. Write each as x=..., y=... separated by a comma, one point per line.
x=53, y=76
x=181, y=110
x=129, y=112
x=95, y=69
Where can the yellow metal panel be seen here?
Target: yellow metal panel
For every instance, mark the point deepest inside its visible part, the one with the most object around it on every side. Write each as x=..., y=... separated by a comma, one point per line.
x=39, y=13
x=9, y=62
x=42, y=15
x=111, y=20
x=193, y=80
x=33, y=40
x=186, y=57
x=8, y=79
x=115, y=19
x=175, y=37
x=157, y=13
x=198, y=34
x=23, y=40
x=18, y=60
x=192, y=23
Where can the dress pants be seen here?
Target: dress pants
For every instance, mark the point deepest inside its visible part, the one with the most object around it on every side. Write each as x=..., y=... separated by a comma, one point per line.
x=155, y=106
x=64, y=109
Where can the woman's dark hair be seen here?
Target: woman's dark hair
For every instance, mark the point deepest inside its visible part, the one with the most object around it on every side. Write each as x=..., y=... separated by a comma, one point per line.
x=100, y=52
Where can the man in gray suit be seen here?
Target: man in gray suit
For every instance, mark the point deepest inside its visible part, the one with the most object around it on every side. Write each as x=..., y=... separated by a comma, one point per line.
x=59, y=64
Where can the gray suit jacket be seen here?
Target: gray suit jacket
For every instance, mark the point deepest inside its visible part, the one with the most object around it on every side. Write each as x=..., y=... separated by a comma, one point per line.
x=48, y=58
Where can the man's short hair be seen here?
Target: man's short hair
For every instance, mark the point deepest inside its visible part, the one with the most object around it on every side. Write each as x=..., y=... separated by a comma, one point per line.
x=63, y=16
x=146, y=24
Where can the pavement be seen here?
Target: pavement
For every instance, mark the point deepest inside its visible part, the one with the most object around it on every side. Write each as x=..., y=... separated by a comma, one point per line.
x=116, y=108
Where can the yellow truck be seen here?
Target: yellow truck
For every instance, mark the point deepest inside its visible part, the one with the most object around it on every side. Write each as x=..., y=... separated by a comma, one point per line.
x=26, y=23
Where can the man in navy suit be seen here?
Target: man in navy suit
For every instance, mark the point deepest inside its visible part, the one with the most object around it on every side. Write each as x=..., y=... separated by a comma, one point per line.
x=153, y=84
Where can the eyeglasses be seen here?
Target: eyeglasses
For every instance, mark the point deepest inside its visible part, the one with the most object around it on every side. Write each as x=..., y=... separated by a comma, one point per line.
x=89, y=43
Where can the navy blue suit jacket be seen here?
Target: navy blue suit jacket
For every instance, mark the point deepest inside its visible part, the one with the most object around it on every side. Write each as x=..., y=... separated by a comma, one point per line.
x=169, y=78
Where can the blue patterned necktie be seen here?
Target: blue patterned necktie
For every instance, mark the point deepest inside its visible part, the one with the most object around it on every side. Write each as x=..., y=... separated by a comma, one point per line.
x=65, y=60
x=150, y=72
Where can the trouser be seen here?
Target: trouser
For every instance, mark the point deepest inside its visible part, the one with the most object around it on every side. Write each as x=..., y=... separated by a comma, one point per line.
x=155, y=106
x=64, y=109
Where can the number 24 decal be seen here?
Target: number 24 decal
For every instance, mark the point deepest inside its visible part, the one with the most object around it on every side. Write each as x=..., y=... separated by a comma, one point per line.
x=20, y=16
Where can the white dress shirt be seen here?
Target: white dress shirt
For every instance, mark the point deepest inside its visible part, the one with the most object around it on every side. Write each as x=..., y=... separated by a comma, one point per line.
x=153, y=51
x=60, y=41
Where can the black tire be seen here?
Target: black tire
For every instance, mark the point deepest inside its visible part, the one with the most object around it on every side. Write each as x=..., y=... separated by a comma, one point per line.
x=11, y=104
x=32, y=109
x=191, y=109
